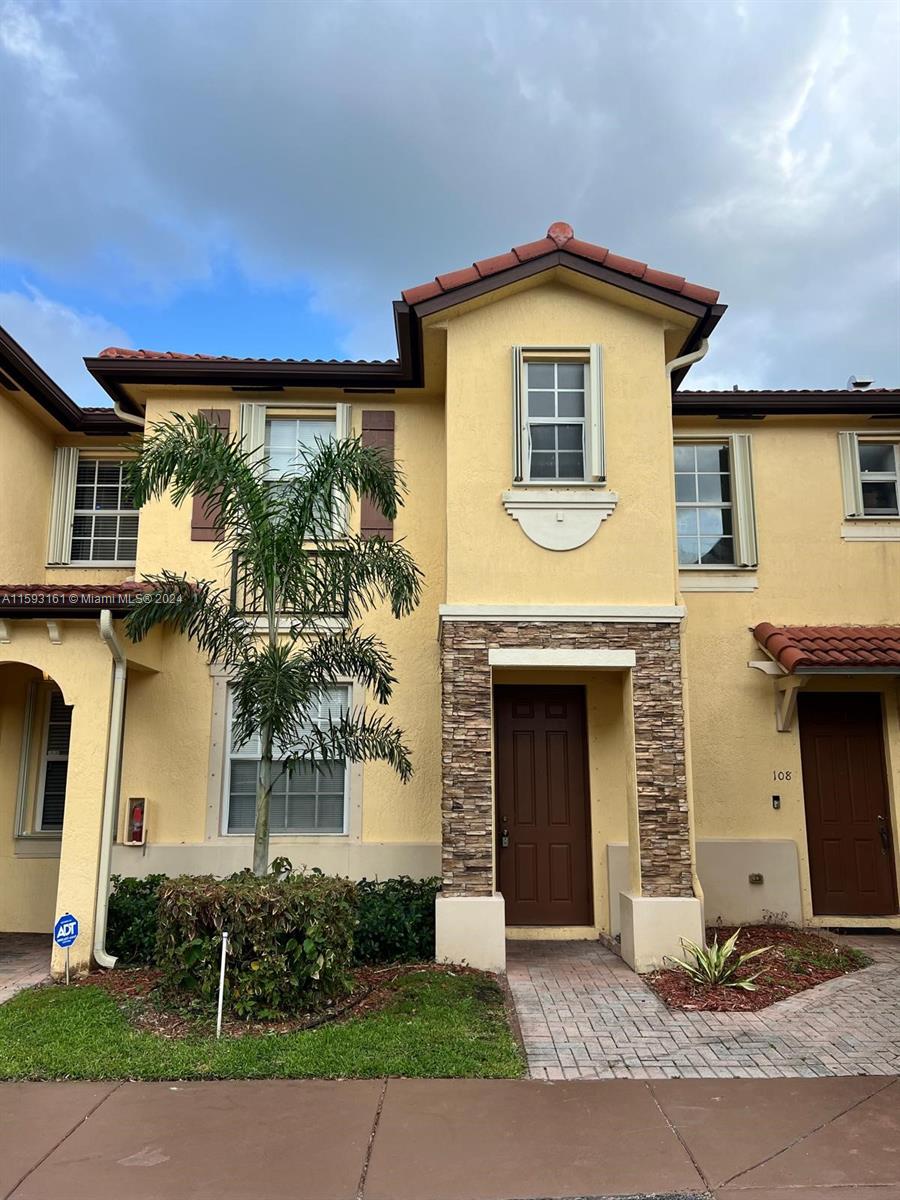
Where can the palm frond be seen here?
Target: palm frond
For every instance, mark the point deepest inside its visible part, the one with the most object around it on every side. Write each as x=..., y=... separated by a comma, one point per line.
x=350, y=654
x=195, y=607
x=359, y=736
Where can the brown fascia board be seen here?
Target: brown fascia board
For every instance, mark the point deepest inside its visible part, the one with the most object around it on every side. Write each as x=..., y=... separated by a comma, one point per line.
x=36, y=383
x=114, y=374
x=749, y=405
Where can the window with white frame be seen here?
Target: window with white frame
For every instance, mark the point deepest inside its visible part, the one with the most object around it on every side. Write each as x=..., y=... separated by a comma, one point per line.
x=93, y=520
x=105, y=520
x=289, y=439
x=51, y=796
x=558, y=415
x=306, y=798
x=714, y=505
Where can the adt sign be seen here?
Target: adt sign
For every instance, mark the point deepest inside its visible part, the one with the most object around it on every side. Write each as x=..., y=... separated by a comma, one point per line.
x=65, y=931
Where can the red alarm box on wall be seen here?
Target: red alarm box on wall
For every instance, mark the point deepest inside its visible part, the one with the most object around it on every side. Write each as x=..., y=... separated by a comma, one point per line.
x=136, y=823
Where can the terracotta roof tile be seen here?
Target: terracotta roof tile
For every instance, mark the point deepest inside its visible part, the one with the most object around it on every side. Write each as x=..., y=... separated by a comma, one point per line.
x=799, y=647
x=121, y=352
x=560, y=236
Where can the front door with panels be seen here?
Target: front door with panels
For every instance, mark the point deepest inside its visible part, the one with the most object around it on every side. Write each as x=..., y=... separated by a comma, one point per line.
x=542, y=805
x=848, y=825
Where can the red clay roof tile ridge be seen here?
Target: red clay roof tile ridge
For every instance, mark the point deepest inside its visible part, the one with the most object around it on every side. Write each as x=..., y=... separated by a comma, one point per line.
x=560, y=236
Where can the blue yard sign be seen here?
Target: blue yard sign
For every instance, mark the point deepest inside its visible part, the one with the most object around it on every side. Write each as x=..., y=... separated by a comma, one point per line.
x=65, y=931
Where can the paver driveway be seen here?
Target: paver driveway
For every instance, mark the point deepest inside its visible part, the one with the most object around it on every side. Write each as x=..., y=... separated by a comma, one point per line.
x=24, y=961
x=585, y=1015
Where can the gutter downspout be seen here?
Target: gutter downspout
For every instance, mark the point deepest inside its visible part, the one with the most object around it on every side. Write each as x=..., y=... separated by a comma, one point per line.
x=111, y=787
x=686, y=360
x=129, y=417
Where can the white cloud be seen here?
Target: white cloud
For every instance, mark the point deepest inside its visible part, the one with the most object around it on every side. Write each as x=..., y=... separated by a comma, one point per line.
x=57, y=338
x=363, y=148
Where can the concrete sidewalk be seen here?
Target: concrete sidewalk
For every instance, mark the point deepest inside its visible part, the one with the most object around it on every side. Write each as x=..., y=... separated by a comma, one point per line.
x=800, y=1139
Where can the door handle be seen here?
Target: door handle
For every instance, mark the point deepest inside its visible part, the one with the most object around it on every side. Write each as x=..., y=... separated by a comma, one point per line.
x=504, y=838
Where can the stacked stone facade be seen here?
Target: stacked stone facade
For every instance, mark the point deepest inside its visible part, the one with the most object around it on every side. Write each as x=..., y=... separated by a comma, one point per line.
x=467, y=753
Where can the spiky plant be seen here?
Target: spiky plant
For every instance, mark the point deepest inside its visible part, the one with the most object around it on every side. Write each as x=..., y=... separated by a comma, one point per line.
x=717, y=966
x=288, y=537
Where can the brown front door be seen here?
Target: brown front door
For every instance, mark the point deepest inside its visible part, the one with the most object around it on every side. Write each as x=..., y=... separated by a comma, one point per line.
x=851, y=860
x=543, y=826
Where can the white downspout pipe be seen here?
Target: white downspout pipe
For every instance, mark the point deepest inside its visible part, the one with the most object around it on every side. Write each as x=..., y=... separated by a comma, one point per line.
x=111, y=786
x=686, y=360
x=130, y=418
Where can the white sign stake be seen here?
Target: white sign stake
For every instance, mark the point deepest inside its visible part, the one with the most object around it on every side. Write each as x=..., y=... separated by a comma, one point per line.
x=221, y=985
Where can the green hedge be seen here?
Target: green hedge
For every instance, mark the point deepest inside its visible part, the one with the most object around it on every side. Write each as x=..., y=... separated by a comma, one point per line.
x=291, y=939
x=395, y=920
x=132, y=920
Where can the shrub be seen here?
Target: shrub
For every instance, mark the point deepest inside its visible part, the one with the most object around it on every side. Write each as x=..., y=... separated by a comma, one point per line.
x=132, y=919
x=395, y=920
x=291, y=939
x=717, y=966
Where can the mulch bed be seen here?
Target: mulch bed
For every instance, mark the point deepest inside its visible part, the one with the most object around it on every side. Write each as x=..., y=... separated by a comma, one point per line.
x=137, y=991
x=797, y=960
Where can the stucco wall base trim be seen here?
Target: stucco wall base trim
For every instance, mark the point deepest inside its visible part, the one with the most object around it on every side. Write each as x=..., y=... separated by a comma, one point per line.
x=653, y=926
x=337, y=856
x=471, y=930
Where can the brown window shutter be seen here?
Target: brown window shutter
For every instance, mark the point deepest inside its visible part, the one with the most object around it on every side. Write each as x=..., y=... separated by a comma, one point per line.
x=206, y=509
x=377, y=430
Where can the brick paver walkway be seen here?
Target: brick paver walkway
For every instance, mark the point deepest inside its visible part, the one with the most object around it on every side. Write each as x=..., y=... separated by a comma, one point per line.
x=24, y=961
x=585, y=1015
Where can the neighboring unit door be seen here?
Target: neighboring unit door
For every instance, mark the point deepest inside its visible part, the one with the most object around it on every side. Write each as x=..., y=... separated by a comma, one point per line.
x=543, y=826
x=848, y=826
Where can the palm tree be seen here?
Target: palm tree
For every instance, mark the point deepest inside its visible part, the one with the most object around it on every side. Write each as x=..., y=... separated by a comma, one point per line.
x=288, y=539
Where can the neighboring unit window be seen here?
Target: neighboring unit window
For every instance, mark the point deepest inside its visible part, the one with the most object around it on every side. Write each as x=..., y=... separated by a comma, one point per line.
x=51, y=800
x=289, y=439
x=714, y=505
x=556, y=398
x=703, y=504
x=105, y=521
x=306, y=799
x=879, y=477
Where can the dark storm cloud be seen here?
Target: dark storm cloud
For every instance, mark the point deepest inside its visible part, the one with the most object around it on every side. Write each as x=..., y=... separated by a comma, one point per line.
x=367, y=146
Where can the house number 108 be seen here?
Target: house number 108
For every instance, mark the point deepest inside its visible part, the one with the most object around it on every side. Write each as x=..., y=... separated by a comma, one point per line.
x=781, y=776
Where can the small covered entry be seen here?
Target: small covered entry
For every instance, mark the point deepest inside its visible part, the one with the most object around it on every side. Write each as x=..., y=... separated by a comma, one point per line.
x=526, y=773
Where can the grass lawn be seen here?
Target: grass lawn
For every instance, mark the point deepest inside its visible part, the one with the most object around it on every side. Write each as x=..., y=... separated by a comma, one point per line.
x=435, y=1025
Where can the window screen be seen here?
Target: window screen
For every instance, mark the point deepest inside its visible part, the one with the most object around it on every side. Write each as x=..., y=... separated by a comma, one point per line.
x=105, y=524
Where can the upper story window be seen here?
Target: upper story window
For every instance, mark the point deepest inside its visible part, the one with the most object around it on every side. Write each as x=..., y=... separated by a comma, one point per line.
x=714, y=505
x=870, y=466
x=306, y=798
x=557, y=402
x=558, y=425
x=93, y=520
x=105, y=520
x=289, y=439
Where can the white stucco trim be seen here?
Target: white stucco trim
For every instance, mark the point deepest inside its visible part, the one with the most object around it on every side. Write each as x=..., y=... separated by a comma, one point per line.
x=869, y=529
x=690, y=582
x=625, y=614
x=597, y=660
x=559, y=519
x=471, y=930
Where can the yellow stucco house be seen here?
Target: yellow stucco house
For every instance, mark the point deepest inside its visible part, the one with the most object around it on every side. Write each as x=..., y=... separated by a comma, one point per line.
x=653, y=677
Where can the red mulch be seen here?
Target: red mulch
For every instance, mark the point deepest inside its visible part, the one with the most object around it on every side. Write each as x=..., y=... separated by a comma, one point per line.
x=797, y=960
x=137, y=991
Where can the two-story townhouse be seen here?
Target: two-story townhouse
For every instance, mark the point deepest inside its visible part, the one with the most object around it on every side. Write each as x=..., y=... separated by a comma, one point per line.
x=653, y=676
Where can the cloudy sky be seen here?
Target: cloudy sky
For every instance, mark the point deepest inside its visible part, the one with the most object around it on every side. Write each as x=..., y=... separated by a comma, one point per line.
x=263, y=178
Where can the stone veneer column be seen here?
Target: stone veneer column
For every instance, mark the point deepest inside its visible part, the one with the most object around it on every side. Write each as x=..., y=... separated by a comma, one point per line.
x=467, y=759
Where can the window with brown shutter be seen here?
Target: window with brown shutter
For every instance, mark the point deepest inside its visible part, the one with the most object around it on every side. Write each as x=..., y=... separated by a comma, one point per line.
x=206, y=509
x=377, y=430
